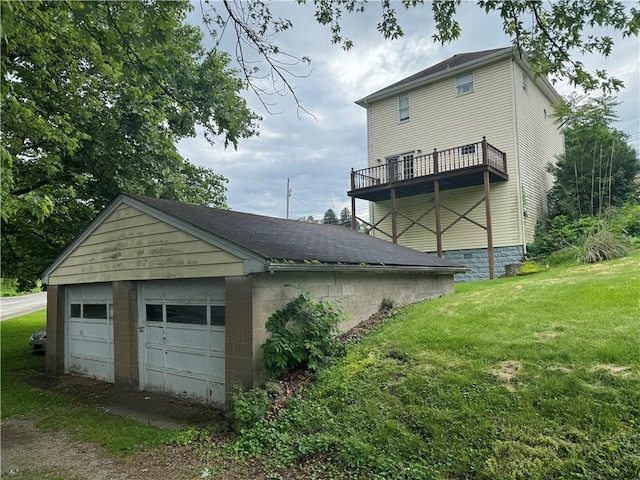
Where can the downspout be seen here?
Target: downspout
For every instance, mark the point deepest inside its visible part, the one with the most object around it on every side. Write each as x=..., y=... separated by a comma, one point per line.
x=521, y=225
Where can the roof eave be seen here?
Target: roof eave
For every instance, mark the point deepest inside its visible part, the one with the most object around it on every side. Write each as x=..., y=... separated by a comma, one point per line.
x=273, y=267
x=420, y=82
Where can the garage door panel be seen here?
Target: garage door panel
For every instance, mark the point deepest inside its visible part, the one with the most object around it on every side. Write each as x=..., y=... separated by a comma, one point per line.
x=189, y=386
x=216, y=364
x=97, y=330
x=192, y=338
x=89, y=339
x=216, y=341
x=189, y=362
x=182, y=338
x=155, y=377
x=75, y=328
x=154, y=357
x=95, y=348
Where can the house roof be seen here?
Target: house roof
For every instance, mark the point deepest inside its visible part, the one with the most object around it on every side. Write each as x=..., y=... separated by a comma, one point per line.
x=450, y=66
x=277, y=240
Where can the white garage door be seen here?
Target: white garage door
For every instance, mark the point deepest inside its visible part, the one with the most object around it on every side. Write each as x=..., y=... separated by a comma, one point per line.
x=89, y=327
x=182, y=338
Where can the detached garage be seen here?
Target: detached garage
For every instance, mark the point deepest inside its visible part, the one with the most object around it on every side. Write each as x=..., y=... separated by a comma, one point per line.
x=164, y=296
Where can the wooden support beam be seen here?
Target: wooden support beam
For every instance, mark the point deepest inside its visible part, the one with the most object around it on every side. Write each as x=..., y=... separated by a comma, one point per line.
x=487, y=202
x=353, y=213
x=394, y=217
x=436, y=191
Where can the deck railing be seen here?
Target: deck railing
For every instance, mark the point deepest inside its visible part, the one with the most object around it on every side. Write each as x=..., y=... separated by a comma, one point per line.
x=439, y=161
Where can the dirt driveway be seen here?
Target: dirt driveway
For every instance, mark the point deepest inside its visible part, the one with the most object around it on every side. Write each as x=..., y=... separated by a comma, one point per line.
x=28, y=452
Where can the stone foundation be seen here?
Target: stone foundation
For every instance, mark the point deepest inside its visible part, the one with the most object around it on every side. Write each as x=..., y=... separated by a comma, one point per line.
x=477, y=260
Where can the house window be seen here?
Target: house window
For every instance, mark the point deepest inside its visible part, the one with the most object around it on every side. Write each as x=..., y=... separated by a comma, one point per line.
x=468, y=149
x=403, y=108
x=464, y=84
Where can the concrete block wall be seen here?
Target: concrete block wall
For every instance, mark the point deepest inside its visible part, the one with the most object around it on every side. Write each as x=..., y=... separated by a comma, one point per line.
x=359, y=294
x=125, y=335
x=54, y=353
x=239, y=365
x=477, y=260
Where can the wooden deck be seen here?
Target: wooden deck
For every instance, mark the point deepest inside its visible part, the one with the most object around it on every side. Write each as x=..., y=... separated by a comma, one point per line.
x=457, y=167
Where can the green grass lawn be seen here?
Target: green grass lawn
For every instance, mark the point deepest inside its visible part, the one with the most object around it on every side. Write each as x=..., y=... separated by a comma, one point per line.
x=530, y=377
x=54, y=411
x=533, y=377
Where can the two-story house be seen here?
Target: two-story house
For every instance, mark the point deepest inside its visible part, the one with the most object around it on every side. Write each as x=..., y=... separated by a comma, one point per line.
x=457, y=159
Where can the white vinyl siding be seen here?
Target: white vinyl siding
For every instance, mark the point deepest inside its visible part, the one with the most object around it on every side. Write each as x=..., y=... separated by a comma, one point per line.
x=132, y=245
x=539, y=141
x=403, y=108
x=463, y=234
x=440, y=120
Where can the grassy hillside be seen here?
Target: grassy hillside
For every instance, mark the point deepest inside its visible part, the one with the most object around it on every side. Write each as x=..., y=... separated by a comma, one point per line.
x=531, y=377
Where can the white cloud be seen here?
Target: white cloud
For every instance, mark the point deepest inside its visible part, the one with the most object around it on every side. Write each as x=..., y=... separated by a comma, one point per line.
x=318, y=153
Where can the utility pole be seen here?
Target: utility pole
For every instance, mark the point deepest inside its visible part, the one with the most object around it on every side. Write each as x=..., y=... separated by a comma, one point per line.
x=288, y=197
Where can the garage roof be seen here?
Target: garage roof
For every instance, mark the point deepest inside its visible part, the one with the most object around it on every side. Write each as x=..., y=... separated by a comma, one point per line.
x=278, y=240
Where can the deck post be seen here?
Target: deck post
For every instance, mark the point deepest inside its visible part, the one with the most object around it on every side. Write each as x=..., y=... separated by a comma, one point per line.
x=353, y=201
x=485, y=156
x=435, y=161
x=394, y=217
x=487, y=202
x=436, y=191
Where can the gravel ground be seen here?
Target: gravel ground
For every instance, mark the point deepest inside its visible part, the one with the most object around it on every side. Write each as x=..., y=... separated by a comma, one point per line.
x=27, y=453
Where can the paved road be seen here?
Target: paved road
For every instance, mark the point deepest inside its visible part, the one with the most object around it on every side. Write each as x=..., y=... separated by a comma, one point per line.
x=15, y=306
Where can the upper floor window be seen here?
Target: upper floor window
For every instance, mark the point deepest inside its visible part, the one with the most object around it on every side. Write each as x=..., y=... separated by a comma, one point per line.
x=403, y=108
x=468, y=149
x=464, y=84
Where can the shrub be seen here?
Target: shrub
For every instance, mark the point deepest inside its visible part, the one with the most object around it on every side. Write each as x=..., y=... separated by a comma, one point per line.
x=9, y=287
x=303, y=335
x=249, y=406
x=603, y=244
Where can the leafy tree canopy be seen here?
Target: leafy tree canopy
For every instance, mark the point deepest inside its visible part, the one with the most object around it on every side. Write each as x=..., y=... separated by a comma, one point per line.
x=94, y=96
x=598, y=168
x=548, y=34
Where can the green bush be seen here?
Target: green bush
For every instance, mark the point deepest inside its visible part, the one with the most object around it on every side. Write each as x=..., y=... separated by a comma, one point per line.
x=590, y=239
x=303, y=335
x=249, y=406
x=9, y=287
x=602, y=244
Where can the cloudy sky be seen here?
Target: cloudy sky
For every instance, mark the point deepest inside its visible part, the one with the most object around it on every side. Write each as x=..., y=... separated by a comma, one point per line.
x=317, y=152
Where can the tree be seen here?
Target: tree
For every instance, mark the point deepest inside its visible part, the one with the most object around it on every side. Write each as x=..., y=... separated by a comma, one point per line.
x=308, y=219
x=547, y=35
x=345, y=218
x=598, y=168
x=330, y=218
x=94, y=97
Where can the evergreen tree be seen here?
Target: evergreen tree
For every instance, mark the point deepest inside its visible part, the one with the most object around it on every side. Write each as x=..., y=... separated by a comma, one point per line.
x=330, y=218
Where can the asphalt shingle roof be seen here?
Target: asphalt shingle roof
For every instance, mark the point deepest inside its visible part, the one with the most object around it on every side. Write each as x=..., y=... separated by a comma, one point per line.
x=451, y=62
x=279, y=239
